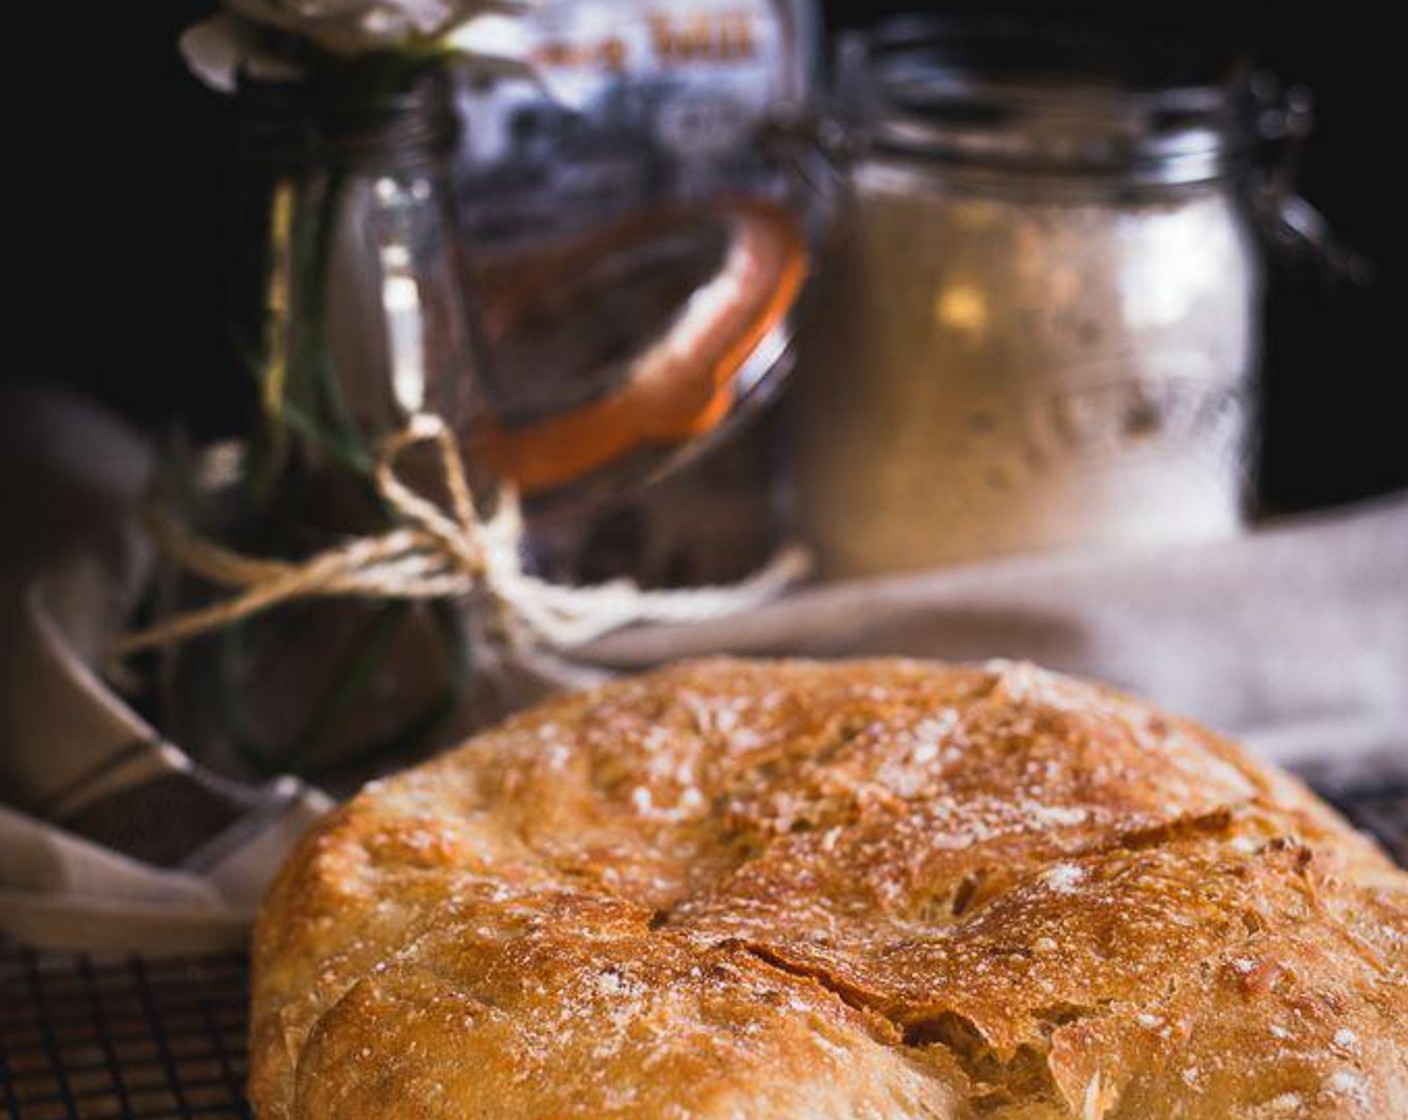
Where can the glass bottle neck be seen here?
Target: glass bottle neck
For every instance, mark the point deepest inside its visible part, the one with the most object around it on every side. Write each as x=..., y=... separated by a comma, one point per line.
x=292, y=127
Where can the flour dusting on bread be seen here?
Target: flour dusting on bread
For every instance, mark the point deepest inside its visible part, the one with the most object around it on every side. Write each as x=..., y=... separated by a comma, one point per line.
x=871, y=891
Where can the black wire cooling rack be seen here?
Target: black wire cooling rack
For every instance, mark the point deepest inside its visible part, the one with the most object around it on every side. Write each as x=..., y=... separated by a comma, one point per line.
x=1372, y=793
x=91, y=1038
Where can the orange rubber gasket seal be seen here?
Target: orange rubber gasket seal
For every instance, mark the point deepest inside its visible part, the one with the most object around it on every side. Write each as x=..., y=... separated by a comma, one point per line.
x=672, y=394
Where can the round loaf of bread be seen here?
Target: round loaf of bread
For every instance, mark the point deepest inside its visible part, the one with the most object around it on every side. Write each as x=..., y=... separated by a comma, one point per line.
x=794, y=891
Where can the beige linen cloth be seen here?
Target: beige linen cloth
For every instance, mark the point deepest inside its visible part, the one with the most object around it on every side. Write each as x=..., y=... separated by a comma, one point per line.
x=1294, y=638
x=110, y=838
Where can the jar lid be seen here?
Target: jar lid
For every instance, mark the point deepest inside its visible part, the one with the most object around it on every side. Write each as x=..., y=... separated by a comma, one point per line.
x=1027, y=98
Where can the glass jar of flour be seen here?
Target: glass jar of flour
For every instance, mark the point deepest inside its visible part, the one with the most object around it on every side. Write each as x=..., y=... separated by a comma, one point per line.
x=1038, y=324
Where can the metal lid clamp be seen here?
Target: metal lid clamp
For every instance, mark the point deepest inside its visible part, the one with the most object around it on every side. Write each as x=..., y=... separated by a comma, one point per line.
x=1282, y=119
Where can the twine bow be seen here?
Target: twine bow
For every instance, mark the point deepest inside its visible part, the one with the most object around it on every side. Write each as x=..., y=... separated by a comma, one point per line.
x=441, y=553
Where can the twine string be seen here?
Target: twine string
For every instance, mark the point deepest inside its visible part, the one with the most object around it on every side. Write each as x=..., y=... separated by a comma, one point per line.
x=440, y=554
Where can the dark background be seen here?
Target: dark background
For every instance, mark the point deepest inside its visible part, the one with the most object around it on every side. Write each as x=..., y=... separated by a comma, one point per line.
x=123, y=235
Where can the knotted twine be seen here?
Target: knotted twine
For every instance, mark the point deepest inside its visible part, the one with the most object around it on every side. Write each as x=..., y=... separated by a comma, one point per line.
x=441, y=554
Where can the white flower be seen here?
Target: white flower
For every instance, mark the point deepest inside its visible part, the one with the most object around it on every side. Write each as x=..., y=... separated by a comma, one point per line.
x=219, y=48
x=353, y=27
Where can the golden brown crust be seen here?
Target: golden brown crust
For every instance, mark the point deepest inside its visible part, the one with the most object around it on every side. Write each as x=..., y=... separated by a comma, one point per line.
x=880, y=890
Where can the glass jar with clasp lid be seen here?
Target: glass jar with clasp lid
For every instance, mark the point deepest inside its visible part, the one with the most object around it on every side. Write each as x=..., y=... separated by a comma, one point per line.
x=1038, y=325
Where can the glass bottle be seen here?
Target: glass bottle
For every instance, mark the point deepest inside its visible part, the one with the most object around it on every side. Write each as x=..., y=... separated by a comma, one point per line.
x=350, y=312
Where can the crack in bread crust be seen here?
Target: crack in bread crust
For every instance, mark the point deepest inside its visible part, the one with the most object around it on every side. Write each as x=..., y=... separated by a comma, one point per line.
x=878, y=890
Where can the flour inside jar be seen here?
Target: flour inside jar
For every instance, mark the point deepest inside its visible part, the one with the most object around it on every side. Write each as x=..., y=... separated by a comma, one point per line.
x=1009, y=356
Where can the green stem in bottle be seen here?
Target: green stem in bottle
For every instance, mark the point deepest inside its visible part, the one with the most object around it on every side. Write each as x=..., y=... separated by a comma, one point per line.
x=369, y=652
x=334, y=428
x=439, y=708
